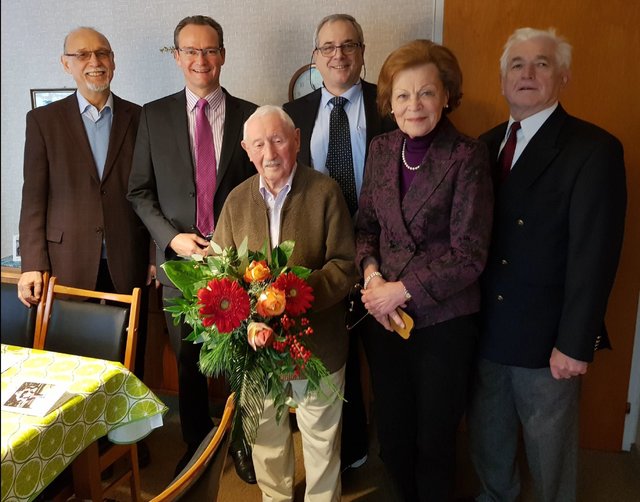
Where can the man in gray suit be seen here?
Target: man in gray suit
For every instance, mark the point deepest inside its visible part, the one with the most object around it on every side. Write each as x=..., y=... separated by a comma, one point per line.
x=558, y=226
x=163, y=191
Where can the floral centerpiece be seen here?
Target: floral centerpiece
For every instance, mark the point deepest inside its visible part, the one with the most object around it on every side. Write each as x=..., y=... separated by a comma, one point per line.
x=247, y=308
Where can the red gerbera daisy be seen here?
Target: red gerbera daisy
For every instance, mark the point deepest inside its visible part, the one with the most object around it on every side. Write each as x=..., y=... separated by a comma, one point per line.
x=224, y=303
x=299, y=294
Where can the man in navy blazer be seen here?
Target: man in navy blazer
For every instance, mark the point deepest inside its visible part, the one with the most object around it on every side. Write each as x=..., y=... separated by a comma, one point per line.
x=557, y=235
x=339, y=57
x=162, y=189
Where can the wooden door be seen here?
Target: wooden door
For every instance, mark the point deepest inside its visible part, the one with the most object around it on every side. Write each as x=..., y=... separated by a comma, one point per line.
x=604, y=90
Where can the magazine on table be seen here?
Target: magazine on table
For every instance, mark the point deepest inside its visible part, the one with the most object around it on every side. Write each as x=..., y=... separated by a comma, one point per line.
x=33, y=397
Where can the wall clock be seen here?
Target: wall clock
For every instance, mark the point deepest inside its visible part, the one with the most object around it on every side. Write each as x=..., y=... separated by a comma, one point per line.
x=305, y=80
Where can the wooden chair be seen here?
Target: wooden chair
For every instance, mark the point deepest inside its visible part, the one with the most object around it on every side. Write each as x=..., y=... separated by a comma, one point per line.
x=19, y=323
x=200, y=479
x=102, y=330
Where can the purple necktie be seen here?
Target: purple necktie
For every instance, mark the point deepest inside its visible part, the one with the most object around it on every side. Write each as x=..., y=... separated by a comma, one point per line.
x=506, y=155
x=205, y=170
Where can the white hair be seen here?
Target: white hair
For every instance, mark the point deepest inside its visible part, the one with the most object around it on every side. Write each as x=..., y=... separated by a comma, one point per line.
x=263, y=110
x=563, y=49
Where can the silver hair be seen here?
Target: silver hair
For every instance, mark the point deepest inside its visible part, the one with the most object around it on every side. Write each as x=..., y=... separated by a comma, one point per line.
x=264, y=110
x=563, y=48
x=338, y=17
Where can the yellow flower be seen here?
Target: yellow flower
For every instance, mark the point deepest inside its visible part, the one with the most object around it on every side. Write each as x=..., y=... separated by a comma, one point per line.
x=257, y=271
x=271, y=302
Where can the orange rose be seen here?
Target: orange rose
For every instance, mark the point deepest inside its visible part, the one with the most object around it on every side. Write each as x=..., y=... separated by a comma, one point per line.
x=259, y=335
x=271, y=302
x=257, y=271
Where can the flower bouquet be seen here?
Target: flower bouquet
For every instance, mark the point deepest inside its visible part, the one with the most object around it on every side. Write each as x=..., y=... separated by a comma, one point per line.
x=247, y=309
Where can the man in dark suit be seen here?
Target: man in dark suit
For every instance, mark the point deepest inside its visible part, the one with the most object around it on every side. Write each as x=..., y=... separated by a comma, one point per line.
x=339, y=56
x=163, y=191
x=558, y=227
x=75, y=220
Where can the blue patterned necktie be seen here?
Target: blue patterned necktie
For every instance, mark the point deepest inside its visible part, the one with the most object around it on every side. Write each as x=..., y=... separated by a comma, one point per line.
x=339, y=158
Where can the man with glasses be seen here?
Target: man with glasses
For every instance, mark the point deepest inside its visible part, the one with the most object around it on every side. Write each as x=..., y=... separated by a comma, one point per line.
x=75, y=220
x=178, y=204
x=339, y=56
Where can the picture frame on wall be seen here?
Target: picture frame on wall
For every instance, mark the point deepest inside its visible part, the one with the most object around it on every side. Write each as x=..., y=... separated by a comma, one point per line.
x=41, y=97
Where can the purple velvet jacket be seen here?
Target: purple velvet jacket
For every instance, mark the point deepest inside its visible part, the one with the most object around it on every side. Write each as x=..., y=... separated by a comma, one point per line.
x=436, y=239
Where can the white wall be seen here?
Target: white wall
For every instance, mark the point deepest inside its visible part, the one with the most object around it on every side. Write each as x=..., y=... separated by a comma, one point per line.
x=265, y=41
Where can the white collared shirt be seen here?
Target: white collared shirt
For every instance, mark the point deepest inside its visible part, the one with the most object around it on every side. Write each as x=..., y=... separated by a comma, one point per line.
x=528, y=128
x=274, y=206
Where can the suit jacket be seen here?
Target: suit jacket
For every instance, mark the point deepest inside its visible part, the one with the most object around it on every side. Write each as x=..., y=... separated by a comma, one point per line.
x=67, y=210
x=304, y=111
x=162, y=183
x=312, y=216
x=435, y=240
x=558, y=226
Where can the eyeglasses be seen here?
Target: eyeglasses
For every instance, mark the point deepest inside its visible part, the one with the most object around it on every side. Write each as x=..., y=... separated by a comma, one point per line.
x=192, y=52
x=347, y=49
x=86, y=55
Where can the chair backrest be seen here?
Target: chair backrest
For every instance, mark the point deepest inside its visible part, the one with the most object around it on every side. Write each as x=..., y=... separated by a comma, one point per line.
x=18, y=321
x=200, y=479
x=92, y=327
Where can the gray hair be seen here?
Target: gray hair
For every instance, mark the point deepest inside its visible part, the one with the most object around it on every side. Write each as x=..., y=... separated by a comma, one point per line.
x=563, y=49
x=265, y=110
x=338, y=17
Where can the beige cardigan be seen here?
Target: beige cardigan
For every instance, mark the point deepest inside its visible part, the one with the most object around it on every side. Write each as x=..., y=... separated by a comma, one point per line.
x=316, y=217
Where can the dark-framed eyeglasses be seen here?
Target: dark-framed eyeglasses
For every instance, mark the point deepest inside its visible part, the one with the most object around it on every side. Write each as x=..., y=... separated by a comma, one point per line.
x=347, y=49
x=192, y=52
x=86, y=55
x=354, y=315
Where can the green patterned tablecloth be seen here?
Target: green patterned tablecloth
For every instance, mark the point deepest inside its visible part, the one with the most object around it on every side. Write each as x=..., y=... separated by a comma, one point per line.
x=109, y=400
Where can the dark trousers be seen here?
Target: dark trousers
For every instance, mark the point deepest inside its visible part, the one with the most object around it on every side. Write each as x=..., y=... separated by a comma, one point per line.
x=420, y=387
x=193, y=394
x=506, y=398
x=354, y=437
x=104, y=283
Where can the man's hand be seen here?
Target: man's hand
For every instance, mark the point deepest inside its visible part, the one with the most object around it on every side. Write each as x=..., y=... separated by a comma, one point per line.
x=189, y=244
x=30, y=287
x=152, y=276
x=563, y=366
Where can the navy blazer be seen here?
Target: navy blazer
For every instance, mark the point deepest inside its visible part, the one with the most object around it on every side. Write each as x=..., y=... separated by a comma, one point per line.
x=558, y=227
x=435, y=239
x=162, y=183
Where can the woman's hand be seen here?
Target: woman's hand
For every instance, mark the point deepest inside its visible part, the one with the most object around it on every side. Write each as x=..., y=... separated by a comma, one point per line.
x=382, y=298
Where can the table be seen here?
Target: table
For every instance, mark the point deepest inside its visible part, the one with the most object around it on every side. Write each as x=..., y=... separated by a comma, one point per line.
x=109, y=400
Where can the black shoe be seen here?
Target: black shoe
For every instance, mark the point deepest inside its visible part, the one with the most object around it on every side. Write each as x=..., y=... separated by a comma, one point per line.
x=144, y=456
x=182, y=463
x=244, y=465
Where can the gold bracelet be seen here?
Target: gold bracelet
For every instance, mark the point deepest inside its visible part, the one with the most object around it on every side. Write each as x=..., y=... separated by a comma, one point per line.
x=371, y=276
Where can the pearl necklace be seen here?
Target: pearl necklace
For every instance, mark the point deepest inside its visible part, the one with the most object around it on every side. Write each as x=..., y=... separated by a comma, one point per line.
x=404, y=159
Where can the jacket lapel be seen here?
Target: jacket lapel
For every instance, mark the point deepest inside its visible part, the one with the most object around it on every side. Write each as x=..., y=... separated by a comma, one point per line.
x=433, y=171
x=178, y=117
x=539, y=152
x=231, y=137
x=78, y=135
x=121, y=120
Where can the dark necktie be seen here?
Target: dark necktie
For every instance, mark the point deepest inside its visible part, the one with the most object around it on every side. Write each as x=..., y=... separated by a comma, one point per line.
x=506, y=155
x=339, y=159
x=205, y=170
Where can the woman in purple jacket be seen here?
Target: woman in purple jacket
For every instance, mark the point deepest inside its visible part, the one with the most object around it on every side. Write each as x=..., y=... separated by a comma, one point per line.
x=422, y=238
